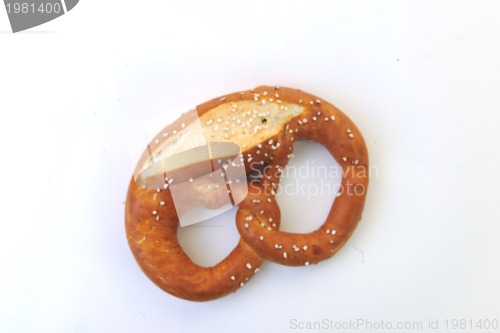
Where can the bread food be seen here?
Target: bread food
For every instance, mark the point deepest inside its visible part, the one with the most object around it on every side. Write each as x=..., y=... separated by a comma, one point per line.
x=264, y=122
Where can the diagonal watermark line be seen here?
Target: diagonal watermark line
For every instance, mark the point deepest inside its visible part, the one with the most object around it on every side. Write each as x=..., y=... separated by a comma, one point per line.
x=63, y=3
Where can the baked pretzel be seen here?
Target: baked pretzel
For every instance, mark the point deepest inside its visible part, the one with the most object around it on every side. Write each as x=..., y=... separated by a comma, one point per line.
x=264, y=122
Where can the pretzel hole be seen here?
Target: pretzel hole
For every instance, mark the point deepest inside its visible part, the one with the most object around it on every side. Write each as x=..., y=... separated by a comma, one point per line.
x=311, y=180
x=209, y=242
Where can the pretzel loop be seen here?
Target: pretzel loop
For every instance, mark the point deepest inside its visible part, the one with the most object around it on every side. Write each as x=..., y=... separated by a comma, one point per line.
x=157, y=250
x=345, y=143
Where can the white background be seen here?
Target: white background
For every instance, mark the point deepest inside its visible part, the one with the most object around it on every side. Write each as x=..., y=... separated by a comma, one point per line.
x=420, y=79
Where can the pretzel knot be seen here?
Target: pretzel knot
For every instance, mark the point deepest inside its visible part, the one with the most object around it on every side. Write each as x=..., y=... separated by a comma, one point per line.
x=274, y=118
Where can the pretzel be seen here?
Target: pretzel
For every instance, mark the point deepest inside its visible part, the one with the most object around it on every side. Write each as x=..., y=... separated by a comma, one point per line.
x=264, y=122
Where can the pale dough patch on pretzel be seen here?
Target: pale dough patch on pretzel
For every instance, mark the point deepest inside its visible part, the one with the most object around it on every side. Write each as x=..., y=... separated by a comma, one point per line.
x=245, y=123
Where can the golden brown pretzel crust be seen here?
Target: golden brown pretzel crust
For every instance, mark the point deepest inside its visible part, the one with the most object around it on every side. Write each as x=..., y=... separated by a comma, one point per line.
x=151, y=221
x=324, y=123
x=156, y=248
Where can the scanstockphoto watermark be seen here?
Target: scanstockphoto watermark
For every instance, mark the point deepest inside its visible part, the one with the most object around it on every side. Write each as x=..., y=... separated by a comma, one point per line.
x=361, y=324
x=431, y=324
x=322, y=180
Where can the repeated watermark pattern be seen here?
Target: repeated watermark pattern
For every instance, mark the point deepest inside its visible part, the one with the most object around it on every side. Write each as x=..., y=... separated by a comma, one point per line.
x=322, y=176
